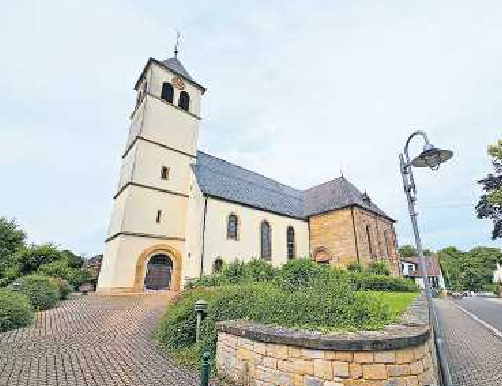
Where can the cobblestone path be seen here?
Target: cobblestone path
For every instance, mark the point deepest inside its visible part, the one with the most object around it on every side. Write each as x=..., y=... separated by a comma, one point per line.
x=91, y=341
x=474, y=352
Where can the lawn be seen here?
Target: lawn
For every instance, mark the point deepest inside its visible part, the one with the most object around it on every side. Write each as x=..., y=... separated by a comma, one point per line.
x=396, y=301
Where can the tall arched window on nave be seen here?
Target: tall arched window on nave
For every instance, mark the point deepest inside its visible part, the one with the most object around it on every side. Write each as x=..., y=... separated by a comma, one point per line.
x=167, y=92
x=290, y=242
x=184, y=101
x=232, y=227
x=370, y=245
x=266, y=241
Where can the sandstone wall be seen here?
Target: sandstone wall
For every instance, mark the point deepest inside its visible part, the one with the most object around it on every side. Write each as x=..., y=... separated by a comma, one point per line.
x=340, y=237
x=253, y=358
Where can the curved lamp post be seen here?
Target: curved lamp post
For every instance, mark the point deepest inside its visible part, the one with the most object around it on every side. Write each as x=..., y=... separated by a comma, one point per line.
x=431, y=157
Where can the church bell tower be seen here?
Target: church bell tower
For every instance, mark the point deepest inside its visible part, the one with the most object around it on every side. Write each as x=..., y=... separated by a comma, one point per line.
x=145, y=246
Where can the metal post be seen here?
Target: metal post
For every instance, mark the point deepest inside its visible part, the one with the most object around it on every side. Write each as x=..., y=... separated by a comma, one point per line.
x=200, y=311
x=205, y=369
x=405, y=171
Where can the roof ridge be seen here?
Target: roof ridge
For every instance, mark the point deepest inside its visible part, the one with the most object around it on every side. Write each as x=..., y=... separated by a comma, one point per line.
x=250, y=171
x=250, y=183
x=327, y=182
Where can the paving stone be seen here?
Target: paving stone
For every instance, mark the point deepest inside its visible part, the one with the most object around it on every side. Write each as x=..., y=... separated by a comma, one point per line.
x=91, y=341
x=474, y=352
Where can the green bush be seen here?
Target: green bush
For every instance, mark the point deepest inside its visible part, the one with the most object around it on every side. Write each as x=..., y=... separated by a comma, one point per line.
x=15, y=310
x=41, y=290
x=379, y=268
x=298, y=274
x=355, y=267
x=258, y=271
x=367, y=281
x=235, y=272
x=320, y=306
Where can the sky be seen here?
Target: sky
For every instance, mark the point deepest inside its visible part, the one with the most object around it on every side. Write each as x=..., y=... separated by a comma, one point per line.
x=298, y=91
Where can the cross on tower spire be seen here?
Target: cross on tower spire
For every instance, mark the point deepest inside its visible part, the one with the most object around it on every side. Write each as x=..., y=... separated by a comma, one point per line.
x=178, y=35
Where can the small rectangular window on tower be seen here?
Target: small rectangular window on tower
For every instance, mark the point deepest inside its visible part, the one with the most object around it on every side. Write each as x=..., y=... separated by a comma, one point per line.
x=159, y=216
x=164, y=174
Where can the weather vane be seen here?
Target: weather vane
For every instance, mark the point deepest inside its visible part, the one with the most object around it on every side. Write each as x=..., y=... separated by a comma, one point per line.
x=178, y=35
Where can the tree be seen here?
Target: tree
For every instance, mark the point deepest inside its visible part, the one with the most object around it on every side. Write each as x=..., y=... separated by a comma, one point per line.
x=490, y=202
x=32, y=257
x=410, y=251
x=11, y=240
x=407, y=251
x=11, y=237
x=472, y=270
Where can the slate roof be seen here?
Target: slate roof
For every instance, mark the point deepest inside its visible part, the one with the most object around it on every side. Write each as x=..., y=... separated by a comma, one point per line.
x=222, y=179
x=175, y=65
x=336, y=194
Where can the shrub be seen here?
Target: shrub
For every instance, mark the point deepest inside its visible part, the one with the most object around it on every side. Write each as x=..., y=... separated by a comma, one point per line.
x=15, y=310
x=41, y=290
x=260, y=271
x=320, y=307
x=379, y=268
x=298, y=274
x=235, y=272
x=355, y=267
x=368, y=281
x=64, y=288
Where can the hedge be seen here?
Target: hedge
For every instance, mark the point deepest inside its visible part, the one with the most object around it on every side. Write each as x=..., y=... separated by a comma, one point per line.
x=42, y=291
x=15, y=310
x=320, y=306
x=305, y=272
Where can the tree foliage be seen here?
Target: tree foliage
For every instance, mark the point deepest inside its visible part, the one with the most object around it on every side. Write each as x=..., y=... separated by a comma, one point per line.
x=11, y=237
x=472, y=270
x=490, y=202
x=410, y=251
x=18, y=259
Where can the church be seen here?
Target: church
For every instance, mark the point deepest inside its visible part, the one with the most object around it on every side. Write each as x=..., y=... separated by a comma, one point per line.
x=180, y=213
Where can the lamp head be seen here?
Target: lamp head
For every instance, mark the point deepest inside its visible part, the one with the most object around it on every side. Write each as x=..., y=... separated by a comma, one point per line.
x=431, y=157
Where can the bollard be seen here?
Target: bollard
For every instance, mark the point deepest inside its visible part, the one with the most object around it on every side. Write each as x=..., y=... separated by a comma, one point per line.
x=205, y=368
x=200, y=311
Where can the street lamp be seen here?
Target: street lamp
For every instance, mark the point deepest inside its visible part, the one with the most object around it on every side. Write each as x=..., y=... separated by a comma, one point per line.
x=431, y=157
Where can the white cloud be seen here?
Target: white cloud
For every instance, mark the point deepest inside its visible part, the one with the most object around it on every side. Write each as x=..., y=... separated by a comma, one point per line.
x=296, y=91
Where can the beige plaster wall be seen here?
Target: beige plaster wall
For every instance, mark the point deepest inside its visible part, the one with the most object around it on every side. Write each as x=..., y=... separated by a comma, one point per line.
x=118, y=270
x=195, y=221
x=170, y=126
x=248, y=244
x=141, y=212
x=149, y=161
x=156, y=75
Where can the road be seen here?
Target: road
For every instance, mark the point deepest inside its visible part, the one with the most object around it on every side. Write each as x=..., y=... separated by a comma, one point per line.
x=473, y=333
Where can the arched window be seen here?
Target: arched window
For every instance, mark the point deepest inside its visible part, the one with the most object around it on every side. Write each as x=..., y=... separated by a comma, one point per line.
x=387, y=244
x=232, y=227
x=167, y=92
x=266, y=242
x=184, y=101
x=370, y=246
x=290, y=242
x=218, y=265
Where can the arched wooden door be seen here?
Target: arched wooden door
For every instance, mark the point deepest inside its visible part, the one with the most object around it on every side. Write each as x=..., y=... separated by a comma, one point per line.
x=158, y=272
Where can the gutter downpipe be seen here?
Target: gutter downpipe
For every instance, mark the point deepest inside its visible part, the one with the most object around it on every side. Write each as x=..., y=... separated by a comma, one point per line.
x=203, y=237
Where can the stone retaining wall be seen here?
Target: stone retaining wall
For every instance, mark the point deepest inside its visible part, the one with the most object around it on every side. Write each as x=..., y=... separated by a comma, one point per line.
x=260, y=355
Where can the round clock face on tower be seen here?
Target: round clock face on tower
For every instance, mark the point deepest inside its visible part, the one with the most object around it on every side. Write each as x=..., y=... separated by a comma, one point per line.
x=178, y=83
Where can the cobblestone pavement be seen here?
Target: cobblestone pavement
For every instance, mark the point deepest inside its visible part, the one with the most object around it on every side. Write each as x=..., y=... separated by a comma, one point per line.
x=474, y=352
x=91, y=341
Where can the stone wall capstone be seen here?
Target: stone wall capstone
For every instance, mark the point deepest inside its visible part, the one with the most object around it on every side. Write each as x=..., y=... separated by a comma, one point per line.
x=261, y=355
